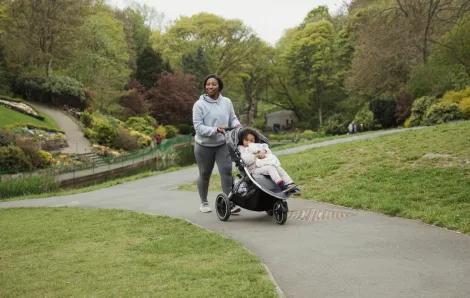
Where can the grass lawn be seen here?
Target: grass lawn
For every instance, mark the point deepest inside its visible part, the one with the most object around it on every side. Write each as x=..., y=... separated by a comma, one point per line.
x=422, y=174
x=72, y=252
x=10, y=117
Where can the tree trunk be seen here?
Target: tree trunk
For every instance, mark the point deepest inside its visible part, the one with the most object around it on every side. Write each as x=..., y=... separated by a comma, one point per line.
x=320, y=116
x=49, y=67
x=251, y=111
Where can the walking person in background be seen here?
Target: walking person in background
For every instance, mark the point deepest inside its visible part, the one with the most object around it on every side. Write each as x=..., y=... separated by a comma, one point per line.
x=211, y=114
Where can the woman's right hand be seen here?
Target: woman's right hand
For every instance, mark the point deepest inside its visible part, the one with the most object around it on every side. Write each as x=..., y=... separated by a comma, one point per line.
x=220, y=129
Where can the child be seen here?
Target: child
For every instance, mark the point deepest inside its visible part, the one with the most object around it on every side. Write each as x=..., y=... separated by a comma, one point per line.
x=259, y=160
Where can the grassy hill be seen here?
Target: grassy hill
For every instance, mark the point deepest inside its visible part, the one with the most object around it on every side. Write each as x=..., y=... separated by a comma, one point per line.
x=422, y=174
x=10, y=117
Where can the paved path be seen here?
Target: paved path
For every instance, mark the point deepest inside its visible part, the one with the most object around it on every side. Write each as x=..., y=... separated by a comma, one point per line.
x=75, y=138
x=341, y=253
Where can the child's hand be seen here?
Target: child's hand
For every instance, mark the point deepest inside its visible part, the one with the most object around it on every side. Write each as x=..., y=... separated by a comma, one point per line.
x=262, y=154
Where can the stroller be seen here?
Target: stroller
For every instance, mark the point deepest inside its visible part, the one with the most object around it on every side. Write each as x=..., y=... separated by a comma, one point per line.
x=251, y=191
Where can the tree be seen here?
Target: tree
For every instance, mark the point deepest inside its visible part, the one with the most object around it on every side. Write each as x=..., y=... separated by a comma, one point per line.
x=253, y=79
x=171, y=101
x=311, y=57
x=134, y=100
x=226, y=44
x=149, y=66
x=42, y=32
x=196, y=65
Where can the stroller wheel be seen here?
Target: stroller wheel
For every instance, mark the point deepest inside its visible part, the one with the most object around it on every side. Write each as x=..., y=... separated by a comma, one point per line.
x=281, y=217
x=223, y=207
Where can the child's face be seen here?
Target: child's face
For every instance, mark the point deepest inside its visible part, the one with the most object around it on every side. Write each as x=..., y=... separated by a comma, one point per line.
x=248, y=140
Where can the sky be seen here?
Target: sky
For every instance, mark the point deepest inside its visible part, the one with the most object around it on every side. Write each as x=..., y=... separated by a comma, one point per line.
x=269, y=18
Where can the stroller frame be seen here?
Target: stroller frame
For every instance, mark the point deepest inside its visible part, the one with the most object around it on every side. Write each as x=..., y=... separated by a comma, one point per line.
x=260, y=193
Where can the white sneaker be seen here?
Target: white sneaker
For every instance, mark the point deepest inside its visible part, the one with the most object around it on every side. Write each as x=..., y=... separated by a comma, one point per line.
x=205, y=208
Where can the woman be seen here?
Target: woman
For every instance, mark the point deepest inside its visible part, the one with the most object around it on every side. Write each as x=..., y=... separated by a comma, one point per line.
x=211, y=114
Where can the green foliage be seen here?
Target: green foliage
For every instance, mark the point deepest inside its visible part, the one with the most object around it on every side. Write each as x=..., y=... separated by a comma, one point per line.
x=6, y=138
x=151, y=121
x=384, y=109
x=335, y=125
x=171, y=131
x=28, y=185
x=419, y=108
x=185, y=129
x=13, y=159
x=464, y=105
x=366, y=117
x=149, y=66
x=196, y=65
x=139, y=124
x=456, y=96
x=87, y=119
x=161, y=130
x=259, y=123
x=308, y=134
x=442, y=112
x=104, y=132
x=431, y=80
x=126, y=141
x=142, y=139
x=39, y=159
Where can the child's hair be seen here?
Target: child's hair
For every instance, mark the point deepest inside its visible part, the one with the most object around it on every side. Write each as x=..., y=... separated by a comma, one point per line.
x=244, y=134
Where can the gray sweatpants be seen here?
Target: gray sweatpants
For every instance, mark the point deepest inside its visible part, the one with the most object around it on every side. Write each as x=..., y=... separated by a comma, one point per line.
x=206, y=157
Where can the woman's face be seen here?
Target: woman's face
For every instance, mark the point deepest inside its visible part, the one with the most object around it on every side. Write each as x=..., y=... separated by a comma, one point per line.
x=212, y=87
x=248, y=140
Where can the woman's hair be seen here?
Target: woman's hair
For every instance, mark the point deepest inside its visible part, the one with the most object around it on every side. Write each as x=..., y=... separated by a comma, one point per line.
x=219, y=81
x=244, y=134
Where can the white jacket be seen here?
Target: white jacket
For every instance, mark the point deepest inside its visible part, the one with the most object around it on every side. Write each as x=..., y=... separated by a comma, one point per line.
x=252, y=162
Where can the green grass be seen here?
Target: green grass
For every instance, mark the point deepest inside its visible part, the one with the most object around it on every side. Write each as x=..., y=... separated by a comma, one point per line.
x=71, y=252
x=66, y=192
x=10, y=117
x=390, y=174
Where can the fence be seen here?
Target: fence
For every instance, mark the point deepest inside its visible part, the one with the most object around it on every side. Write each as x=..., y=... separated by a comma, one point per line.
x=160, y=153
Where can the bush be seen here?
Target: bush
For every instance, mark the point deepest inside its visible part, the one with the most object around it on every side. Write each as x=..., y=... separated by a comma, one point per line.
x=126, y=141
x=464, y=105
x=161, y=130
x=151, y=121
x=335, y=125
x=442, y=112
x=308, y=134
x=6, y=138
x=403, y=109
x=407, y=123
x=104, y=132
x=366, y=117
x=185, y=129
x=384, y=109
x=12, y=158
x=39, y=159
x=456, y=96
x=139, y=124
x=143, y=140
x=171, y=131
x=87, y=119
x=419, y=108
x=259, y=123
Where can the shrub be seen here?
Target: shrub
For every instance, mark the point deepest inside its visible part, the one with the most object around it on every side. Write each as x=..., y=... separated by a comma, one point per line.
x=39, y=159
x=383, y=109
x=407, y=123
x=464, y=105
x=151, y=121
x=161, y=130
x=104, y=132
x=456, y=96
x=171, y=131
x=366, y=117
x=139, y=124
x=419, y=108
x=442, y=112
x=143, y=140
x=126, y=141
x=185, y=129
x=12, y=158
x=87, y=119
x=335, y=125
x=6, y=138
x=403, y=109
x=308, y=134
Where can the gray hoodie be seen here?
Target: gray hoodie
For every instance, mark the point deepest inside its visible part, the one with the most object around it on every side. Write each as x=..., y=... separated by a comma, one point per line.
x=208, y=114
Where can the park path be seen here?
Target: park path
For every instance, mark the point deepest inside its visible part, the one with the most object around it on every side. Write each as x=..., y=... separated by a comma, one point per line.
x=75, y=138
x=322, y=250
